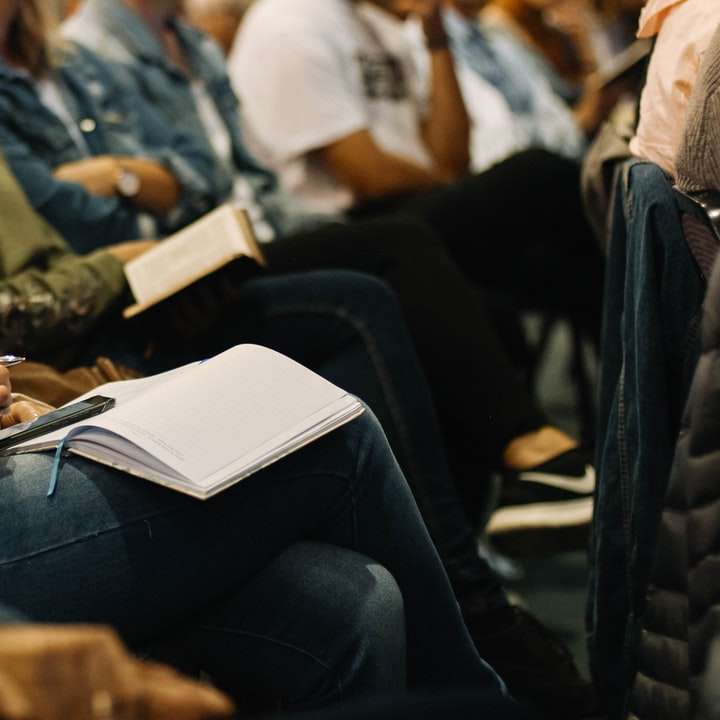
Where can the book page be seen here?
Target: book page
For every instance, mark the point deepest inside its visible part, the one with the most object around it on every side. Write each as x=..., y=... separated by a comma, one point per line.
x=123, y=391
x=222, y=410
x=199, y=249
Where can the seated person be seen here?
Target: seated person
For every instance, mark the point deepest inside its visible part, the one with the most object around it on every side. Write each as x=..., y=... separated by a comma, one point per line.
x=367, y=138
x=181, y=73
x=511, y=102
x=683, y=29
x=346, y=327
x=564, y=36
x=314, y=579
x=116, y=172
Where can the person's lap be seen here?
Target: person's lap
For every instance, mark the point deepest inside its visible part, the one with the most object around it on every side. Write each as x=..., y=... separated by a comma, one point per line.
x=518, y=227
x=105, y=539
x=349, y=328
x=110, y=548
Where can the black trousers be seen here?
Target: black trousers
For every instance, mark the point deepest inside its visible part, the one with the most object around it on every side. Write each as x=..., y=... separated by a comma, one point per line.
x=519, y=228
x=481, y=400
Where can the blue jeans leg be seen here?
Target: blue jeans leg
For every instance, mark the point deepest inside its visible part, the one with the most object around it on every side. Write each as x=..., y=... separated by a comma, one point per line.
x=349, y=328
x=110, y=548
x=318, y=624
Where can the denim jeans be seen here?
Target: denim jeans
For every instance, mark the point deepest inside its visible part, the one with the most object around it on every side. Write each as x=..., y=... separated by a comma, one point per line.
x=349, y=328
x=161, y=567
x=650, y=348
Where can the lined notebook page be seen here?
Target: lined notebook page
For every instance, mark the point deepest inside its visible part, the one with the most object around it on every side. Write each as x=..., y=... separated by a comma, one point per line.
x=249, y=394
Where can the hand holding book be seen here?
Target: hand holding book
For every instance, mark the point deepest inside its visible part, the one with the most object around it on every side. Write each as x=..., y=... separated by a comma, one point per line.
x=198, y=251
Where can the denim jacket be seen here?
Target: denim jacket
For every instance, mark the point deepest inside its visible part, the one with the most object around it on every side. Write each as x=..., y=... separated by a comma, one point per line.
x=653, y=297
x=542, y=117
x=116, y=32
x=112, y=121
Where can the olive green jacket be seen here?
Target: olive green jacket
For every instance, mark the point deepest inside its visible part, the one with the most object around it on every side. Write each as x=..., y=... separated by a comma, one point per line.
x=48, y=295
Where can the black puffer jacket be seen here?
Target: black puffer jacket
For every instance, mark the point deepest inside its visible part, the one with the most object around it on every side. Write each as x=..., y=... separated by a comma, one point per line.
x=679, y=651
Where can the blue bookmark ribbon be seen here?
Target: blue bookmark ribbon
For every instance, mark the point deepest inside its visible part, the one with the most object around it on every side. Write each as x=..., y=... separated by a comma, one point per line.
x=57, y=462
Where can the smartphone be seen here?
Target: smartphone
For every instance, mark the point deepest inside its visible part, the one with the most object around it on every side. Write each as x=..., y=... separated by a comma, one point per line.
x=55, y=420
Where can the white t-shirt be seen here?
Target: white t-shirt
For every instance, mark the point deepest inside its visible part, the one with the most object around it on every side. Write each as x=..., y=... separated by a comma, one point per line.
x=311, y=72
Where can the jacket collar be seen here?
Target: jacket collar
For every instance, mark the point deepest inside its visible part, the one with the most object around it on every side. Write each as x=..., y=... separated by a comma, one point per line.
x=124, y=23
x=458, y=27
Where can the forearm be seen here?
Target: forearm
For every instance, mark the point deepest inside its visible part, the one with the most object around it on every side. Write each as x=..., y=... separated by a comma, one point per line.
x=40, y=311
x=371, y=172
x=159, y=189
x=447, y=129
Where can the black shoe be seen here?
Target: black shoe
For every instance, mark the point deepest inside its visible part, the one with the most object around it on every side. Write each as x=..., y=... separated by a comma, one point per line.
x=536, y=666
x=555, y=497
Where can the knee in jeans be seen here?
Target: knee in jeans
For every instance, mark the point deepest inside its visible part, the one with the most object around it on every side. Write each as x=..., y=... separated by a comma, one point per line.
x=377, y=640
x=360, y=608
x=366, y=299
x=381, y=608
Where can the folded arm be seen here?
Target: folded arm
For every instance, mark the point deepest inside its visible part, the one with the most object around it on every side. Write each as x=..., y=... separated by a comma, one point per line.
x=158, y=193
x=85, y=220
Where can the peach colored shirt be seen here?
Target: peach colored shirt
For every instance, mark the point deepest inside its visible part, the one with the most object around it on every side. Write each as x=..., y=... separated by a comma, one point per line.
x=684, y=29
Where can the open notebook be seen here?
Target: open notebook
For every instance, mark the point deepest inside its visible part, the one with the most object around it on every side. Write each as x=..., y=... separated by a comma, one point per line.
x=205, y=426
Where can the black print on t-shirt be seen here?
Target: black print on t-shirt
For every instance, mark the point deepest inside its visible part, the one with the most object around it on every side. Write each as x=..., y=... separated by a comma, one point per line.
x=383, y=77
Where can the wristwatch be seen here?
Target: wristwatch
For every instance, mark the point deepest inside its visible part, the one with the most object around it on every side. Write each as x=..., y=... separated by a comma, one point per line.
x=127, y=183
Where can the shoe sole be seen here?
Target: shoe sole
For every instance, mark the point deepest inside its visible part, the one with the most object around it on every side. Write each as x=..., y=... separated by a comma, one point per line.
x=538, y=516
x=541, y=530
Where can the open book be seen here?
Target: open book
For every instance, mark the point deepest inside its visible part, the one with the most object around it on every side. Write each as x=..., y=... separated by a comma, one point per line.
x=201, y=248
x=205, y=426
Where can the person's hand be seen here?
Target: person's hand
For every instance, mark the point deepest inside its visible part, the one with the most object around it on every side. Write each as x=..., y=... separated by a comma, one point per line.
x=12, y=413
x=21, y=412
x=98, y=175
x=127, y=251
x=84, y=673
x=5, y=389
